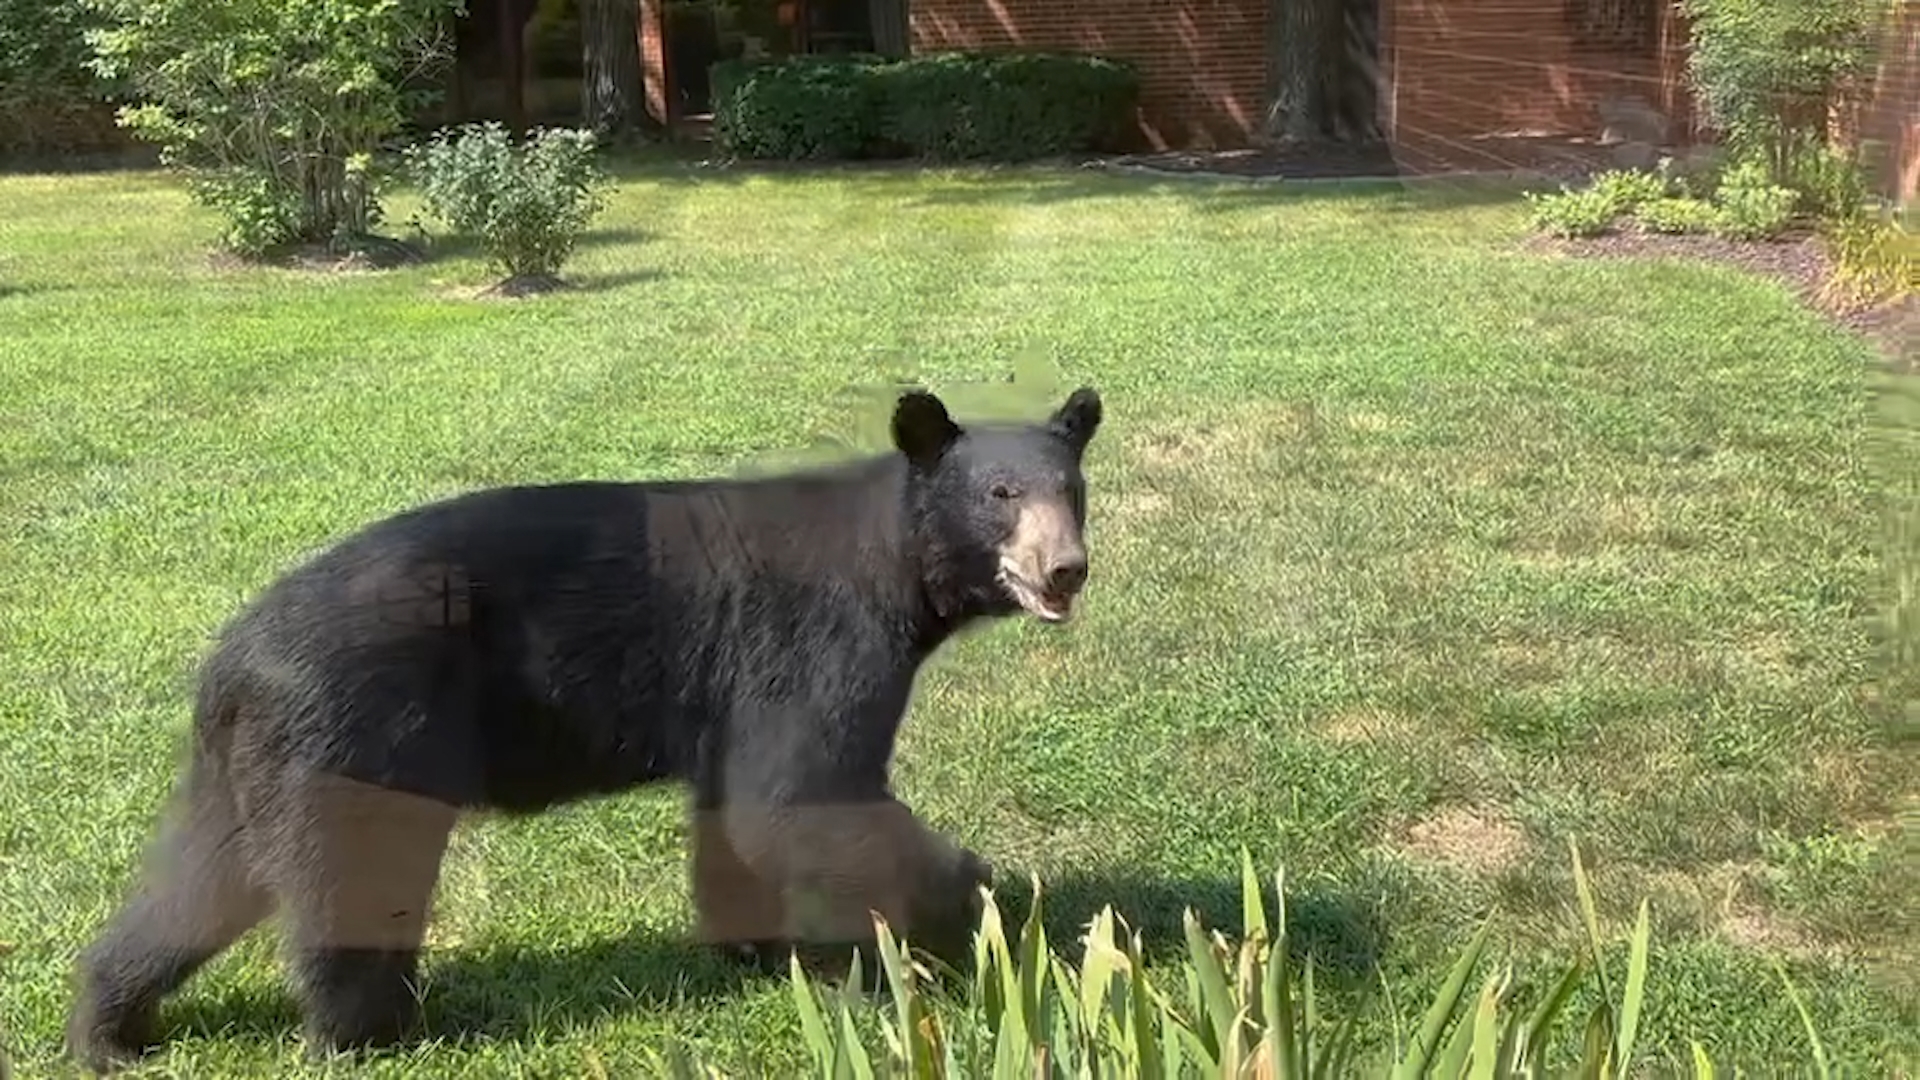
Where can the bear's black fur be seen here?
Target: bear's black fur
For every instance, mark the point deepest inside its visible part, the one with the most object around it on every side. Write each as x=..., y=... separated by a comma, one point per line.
x=514, y=649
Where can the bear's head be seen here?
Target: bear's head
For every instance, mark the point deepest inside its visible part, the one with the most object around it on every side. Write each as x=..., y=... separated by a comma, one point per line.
x=998, y=510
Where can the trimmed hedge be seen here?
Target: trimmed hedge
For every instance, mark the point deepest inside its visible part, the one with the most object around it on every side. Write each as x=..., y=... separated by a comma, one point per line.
x=999, y=106
x=797, y=108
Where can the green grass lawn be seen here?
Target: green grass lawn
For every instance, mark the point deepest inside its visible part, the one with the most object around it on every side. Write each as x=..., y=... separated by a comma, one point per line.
x=1414, y=556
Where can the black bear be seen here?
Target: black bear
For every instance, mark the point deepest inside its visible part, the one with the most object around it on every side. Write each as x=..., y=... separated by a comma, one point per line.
x=512, y=649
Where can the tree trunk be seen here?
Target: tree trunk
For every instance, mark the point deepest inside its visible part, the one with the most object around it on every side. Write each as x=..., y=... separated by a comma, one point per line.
x=1325, y=70
x=1304, y=43
x=1356, y=106
x=888, y=18
x=611, y=89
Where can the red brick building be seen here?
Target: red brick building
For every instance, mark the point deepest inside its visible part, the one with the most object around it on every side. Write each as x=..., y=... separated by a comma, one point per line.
x=1453, y=73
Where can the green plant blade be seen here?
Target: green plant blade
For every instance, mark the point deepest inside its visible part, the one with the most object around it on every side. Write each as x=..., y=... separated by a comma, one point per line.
x=1253, y=913
x=813, y=1025
x=1590, y=913
x=1427, y=1040
x=1486, y=1033
x=1215, y=997
x=1540, y=1023
x=1702, y=1064
x=1635, y=993
x=1821, y=1064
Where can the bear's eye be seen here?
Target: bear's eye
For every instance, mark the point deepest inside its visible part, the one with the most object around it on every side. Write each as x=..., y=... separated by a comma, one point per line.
x=1002, y=491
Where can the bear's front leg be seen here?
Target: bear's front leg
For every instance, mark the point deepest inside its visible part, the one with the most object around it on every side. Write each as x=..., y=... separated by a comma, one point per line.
x=769, y=876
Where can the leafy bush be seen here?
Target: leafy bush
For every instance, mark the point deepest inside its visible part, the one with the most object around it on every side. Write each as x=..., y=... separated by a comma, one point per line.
x=1874, y=260
x=1764, y=70
x=1569, y=214
x=1678, y=215
x=1236, y=1010
x=1829, y=183
x=527, y=204
x=986, y=106
x=802, y=107
x=1752, y=207
x=1626, y=189
x=274, y=109
x=1005, y=106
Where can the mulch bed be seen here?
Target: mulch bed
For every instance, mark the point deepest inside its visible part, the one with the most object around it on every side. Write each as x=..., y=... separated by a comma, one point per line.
x=1799, y=260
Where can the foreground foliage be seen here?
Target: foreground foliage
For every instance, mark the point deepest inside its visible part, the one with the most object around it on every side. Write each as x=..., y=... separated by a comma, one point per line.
x=1245, y=1010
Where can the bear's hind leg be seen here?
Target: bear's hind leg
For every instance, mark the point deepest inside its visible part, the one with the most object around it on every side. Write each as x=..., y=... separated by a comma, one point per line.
x=356, y=873
x=195, y=898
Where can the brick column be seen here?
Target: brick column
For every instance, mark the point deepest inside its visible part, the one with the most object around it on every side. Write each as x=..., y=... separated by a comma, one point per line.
x=654, y=76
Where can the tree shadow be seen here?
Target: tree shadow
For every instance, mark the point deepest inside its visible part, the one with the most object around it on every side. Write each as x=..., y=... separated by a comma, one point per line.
x=1343, y=933
x=510, y=991
x=134, y=158
x=613, y=280
x=438, y=247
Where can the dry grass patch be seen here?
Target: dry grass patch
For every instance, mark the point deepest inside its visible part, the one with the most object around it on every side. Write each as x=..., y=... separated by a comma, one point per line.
x=1472, y=840
x=1368, y=724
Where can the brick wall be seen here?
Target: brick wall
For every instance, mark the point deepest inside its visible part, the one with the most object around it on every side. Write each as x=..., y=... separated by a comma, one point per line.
x=1202, y=62
x=1461, y=68
x=1889, y=123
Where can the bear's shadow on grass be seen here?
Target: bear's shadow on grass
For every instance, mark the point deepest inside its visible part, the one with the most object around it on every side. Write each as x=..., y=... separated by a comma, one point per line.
x=512, y=991
x=1343, y=934
x=441, y=246
x=521, y=990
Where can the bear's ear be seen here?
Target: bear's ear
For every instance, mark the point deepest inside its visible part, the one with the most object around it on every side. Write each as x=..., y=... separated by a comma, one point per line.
x=922, y=430
x=1077, y=419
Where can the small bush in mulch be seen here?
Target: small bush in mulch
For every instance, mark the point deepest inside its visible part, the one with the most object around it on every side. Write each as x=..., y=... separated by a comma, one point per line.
x=526, y=202
x=1752, y=206
x=1570, y=214
x=1744, y=204
x=1677, y=215
x=1628, y=190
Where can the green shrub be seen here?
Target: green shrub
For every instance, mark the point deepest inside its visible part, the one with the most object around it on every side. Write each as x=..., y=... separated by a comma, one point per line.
x=1764, y=70
x=1751, y=206
x=948, y=106
x=796, y=108
x=1626, y=189
x=1830, y=184
x=1677, y=215
x=1569, y=214
x=273, y=109
x=528, y=204
x=1245, y=1009
x=1874, y=260
x=1005, y=106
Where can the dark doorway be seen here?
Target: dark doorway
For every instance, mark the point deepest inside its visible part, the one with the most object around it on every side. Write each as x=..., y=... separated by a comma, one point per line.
x=701, y=33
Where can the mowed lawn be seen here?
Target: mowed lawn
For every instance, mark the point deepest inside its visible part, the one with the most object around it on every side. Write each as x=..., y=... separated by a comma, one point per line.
x=1414, y=556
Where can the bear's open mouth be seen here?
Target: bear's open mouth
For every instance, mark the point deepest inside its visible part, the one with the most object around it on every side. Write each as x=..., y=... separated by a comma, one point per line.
x=1050, y=606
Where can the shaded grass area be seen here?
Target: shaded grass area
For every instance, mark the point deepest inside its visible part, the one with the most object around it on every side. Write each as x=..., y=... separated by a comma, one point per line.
x=1413, y=557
